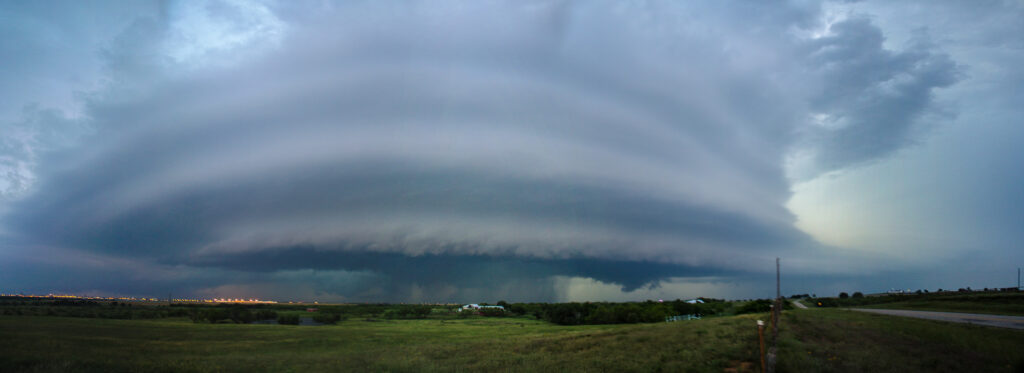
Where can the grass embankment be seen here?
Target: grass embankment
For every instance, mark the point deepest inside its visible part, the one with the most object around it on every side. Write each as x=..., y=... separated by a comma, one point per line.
x=516, y=344
x=833, y=340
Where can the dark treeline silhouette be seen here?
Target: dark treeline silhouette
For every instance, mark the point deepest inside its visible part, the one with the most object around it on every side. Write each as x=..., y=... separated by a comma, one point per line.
x=558, y=313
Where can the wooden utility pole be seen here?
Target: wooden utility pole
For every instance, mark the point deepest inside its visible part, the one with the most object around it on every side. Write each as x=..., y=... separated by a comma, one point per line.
x=776, y=316
x=777, y=309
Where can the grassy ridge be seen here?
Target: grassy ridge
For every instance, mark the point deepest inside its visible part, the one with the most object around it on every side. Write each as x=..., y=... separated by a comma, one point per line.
x=59, y=344
x=832, y=340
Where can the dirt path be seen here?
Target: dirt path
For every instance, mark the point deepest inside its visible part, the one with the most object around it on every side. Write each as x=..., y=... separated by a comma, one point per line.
x=799, y=305
x=1014, y=322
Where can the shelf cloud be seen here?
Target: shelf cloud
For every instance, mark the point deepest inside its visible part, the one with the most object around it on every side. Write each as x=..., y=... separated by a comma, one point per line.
x=439, y=151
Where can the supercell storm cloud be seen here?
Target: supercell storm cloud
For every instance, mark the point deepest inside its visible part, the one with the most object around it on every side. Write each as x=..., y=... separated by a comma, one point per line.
x=442, y=151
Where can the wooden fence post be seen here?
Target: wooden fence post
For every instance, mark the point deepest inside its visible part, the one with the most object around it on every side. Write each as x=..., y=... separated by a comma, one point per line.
x=760, y=339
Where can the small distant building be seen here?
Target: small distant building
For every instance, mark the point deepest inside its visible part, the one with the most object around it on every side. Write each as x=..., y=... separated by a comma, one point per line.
x=477, y=307
x=694, y=301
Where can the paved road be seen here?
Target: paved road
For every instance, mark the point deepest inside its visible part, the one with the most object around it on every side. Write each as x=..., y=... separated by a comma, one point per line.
x=799, y=305
x=1014, y=322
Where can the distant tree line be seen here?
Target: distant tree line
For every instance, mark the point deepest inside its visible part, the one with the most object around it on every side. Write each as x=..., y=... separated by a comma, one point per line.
x=407, y=312
x=559, y=313
x=858, y=299
x=85, y=309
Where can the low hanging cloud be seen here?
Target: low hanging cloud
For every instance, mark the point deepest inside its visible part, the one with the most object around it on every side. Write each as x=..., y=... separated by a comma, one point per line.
x=438, y=145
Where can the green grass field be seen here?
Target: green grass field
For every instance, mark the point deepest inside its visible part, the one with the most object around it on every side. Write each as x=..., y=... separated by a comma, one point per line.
x=61, y=344
x=813, y=340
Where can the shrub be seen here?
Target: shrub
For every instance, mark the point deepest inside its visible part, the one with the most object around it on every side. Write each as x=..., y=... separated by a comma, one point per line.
x=826, y=302
x=565, y=314
x=327, y=318
x=603, y=315
x=215, y=315
x=492, y=312
x=858, y=295
x=265, y=315
x=418, y=312
x=240, y=315
x=196, y=316
x=392, y=314
x=632, y=318
x=287, y=319
x=683, y=308
x=756, y=306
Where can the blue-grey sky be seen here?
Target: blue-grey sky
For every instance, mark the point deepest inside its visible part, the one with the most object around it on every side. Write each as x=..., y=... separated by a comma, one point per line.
x=519, y=150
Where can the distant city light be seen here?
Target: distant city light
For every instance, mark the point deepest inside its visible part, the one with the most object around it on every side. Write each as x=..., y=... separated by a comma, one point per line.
x=138, y=299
